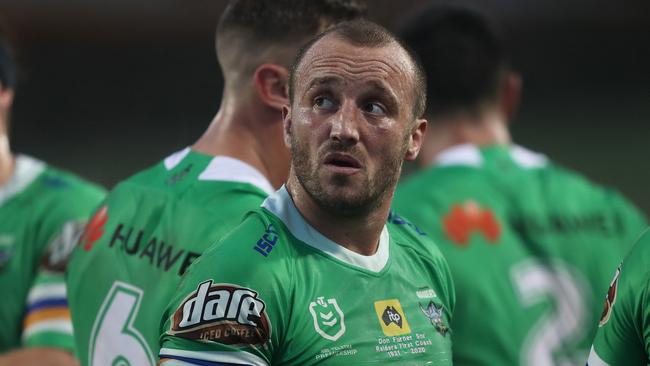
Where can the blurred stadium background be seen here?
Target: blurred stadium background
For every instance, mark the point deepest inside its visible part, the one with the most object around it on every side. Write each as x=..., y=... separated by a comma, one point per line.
x=107, y=88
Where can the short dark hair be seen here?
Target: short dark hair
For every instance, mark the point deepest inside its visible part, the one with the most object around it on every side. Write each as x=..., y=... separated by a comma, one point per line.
x=285, y=21
x=463, y=54
x=365, y=33
x=7, y=65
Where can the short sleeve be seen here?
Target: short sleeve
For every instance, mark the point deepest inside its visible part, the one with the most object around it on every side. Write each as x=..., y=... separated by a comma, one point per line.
x=622, y=334
x=228, y=308
x=47, y=317
x=46, y=322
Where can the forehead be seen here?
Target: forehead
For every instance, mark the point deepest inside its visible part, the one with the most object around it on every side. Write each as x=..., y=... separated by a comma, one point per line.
x=348, y=63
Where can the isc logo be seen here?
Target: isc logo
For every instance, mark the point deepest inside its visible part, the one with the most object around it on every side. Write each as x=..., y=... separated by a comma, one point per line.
x=222, y=312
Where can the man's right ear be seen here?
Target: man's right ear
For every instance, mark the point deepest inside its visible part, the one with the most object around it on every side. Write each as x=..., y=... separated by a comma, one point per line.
x=271, y=84
x=286, y=125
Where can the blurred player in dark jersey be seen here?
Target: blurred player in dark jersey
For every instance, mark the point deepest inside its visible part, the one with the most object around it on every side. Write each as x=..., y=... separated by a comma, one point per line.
x=531, y=245
x=42, y=210
x=154, y=224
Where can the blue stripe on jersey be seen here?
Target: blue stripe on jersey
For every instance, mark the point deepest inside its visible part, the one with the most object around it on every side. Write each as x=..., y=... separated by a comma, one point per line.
x=48, y=303
x=194, y=361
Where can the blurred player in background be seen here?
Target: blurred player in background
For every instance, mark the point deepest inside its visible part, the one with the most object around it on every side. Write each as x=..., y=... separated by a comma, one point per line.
x=42, y=211
x=623, y=337
x=154, y=224
x=531, y=245
x=317, y=276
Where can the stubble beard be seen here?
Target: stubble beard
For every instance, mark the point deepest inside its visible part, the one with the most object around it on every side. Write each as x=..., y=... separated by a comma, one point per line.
x=357, y=201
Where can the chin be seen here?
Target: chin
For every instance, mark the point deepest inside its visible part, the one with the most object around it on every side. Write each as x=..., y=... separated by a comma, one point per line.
x=346, y=201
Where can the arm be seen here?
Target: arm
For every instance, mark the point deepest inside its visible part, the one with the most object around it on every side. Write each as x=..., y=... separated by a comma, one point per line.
x=620, y=337
x=227, y=307
x=47, y=328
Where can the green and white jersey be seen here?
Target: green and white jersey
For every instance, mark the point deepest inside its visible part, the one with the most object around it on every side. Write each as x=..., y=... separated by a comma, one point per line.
x=42, y=211
x=623, y=337
x=531, y=247
x=276, y=291
x=131, y=257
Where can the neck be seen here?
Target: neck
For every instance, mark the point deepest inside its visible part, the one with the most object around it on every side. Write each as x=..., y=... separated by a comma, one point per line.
x=358, y=233
x=489, y=128
x=6, y=160
x=247, y=131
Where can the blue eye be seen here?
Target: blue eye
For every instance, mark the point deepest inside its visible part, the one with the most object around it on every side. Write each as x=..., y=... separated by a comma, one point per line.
x=323, y=103
x=374, y=108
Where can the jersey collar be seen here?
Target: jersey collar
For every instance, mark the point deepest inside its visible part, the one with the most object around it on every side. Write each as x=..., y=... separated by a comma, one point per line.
x=281, y=205
x=470, y=155
x=464, y=154
x=225, y=168
x=27, y=169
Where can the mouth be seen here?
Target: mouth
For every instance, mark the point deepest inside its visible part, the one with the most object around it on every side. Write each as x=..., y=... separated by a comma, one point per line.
x=342, y=163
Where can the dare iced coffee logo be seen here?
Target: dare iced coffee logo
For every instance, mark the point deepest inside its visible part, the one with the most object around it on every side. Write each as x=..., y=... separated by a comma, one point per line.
x=223, y=313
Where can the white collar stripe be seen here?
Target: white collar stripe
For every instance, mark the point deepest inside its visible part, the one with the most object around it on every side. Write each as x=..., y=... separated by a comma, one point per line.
x=228, y=169
x=174, y=159
x=282, y=206
x=470, y=155
x=26, y=170
x=527, y=158
x=465, y=154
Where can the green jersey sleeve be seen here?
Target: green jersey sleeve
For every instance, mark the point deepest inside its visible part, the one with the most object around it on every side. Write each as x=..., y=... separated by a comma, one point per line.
x=47, y=317
x=623, y=337
x=227, y=310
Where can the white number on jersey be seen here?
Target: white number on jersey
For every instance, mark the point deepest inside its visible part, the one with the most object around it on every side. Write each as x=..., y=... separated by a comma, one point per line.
x=564, y=325
x=114, y=341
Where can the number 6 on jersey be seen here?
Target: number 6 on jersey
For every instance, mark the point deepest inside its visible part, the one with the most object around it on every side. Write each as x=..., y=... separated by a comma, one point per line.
x=114, y=341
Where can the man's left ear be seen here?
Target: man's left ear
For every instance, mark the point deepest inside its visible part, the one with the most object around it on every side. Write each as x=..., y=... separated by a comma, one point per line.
x=416, y=139
x=271, y=85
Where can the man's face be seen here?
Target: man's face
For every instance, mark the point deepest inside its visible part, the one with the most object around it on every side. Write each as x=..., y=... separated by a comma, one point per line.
x=351, y=124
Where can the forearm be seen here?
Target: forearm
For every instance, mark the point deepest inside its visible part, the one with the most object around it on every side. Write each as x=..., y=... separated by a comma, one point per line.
x=38, y=356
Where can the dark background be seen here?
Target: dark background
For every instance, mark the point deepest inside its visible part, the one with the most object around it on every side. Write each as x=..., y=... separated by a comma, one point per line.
x=107, y=88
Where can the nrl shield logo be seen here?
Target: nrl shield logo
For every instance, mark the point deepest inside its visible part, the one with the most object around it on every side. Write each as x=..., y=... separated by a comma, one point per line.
x=329, y=320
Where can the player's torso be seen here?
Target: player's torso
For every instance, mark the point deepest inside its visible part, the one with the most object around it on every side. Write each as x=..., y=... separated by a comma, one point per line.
x=521, y=247
x=135, y=249
x=343, y=316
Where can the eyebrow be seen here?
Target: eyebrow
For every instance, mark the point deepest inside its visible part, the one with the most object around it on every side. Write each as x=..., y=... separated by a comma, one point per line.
x=376, y=84
x=325, y=80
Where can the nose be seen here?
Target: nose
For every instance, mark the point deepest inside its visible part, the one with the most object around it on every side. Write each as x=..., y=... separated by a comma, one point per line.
x=345, y=125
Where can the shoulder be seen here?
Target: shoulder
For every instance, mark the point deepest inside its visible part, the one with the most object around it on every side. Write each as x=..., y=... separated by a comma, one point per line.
x=573, y=191
x=250, y=249
x=63, y=184
x=575, y=184
x=436, y=188
x=638, y=260
x=247, y=269
x=60, y=195
x=410, y=237
x=420, y=251
x=444, y=175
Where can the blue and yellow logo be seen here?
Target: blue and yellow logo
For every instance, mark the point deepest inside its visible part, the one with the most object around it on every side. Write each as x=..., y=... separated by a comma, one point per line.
x=391, y=317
